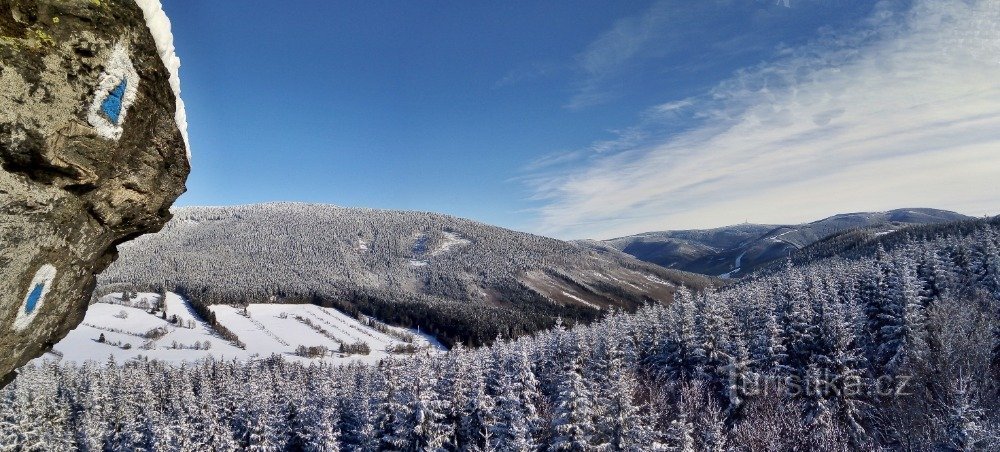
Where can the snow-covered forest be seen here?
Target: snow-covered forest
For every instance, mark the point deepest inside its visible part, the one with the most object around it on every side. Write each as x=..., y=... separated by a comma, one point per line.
x=898, y=349
x=457, y=279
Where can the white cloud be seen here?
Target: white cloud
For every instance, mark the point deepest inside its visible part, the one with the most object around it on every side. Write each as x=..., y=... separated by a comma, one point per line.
x=904, y=111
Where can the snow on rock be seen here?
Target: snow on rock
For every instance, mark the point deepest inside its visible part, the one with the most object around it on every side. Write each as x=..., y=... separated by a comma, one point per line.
x=159, y=27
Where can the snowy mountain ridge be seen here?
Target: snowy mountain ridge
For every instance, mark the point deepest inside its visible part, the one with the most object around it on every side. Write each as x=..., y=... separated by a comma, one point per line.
x=738, y=250
x=457, y=279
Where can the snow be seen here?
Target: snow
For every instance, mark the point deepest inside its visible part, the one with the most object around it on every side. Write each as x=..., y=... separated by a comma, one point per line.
x=176, y=306
x=739, y=263
x=159, y=27
x=657, y=280
x=450, y=241
x=581, y=300
x=778, y=238
x=268, y=329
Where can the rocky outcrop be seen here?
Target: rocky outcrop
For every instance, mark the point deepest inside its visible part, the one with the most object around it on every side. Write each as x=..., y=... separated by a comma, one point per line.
x=91, y=155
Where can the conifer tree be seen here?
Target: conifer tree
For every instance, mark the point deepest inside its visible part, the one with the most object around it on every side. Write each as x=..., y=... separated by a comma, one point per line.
x=573, y=424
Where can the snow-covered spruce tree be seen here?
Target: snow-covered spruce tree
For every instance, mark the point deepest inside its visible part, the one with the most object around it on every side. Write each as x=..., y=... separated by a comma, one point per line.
x=842, y=365
x=679, y=436
x=626, y=423
x=429, y=408
x=319, y=415
x=515, y=418
x=262, y=409
x=391, y=427
x=454, y=384
x=768, y=349
x=573, y=422
x=714, y=343
x=528, y=389
x=476, y=417
x=902, y=336
x=741, y=381
x=100, y=403
x=963, y=421
x=674, y=356
x=212, y=411
x=799, y=330
x=365, y=392
x=877, y=305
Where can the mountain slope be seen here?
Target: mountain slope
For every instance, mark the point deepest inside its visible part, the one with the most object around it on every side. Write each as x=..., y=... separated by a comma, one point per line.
x=454, y=278
x=740, y=249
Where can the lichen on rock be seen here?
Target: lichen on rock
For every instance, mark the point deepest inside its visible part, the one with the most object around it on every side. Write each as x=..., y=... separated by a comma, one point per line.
x=91, y=155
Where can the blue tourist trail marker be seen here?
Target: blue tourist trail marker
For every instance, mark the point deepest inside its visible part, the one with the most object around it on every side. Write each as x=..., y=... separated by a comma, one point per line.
x=112, y=105
x=33, y=297
x=115, y=92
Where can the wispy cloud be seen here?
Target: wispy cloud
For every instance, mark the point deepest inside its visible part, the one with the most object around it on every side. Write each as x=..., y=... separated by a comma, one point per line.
x=533, y=72
x=665, y=32
x=553, y=159
x=613, y=50
x=902, y=111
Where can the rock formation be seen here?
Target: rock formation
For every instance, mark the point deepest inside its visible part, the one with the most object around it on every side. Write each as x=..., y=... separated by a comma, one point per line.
x=92, y=153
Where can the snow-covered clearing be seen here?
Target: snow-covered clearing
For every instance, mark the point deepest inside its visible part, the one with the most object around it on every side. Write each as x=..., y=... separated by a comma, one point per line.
x=581, y=300
x=778, y=238
x=139, y=328
x=450, y=241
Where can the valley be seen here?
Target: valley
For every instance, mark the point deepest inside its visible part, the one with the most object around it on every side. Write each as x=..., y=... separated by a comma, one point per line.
x=167, y=329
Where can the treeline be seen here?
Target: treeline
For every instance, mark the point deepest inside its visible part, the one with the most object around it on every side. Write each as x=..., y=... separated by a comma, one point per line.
x=899, y=350
x=861, y=242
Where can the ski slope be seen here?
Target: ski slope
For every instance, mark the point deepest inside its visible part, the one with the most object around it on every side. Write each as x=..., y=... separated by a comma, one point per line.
x=169, y=330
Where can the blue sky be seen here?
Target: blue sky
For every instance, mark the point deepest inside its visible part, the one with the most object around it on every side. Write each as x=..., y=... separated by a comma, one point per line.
x=594, y=119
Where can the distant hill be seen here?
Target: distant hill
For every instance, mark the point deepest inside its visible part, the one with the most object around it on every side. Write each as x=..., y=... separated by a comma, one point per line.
x=737, y=250
x=457, y=279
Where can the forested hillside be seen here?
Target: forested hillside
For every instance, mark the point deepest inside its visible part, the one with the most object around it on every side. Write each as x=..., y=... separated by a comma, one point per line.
x=897, y=349
x=741, y=249
x=459, y=280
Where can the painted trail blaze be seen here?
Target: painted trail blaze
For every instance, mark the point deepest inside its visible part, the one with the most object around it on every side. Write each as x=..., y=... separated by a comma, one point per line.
x=33, y=297
x=112, y=105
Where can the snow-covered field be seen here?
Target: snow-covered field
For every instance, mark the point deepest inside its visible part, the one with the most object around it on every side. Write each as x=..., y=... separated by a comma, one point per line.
x=138, y=327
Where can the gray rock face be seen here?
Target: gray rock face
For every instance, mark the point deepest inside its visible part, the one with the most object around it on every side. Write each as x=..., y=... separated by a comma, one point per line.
x=90, y=156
